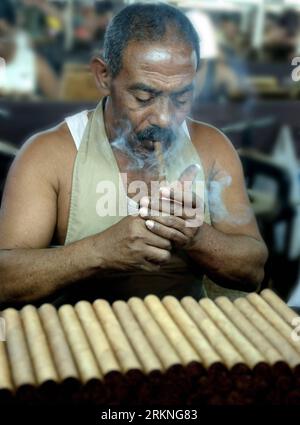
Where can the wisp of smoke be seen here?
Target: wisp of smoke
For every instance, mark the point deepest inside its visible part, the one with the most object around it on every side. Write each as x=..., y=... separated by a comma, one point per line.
x=133, y=145
x=240, y=214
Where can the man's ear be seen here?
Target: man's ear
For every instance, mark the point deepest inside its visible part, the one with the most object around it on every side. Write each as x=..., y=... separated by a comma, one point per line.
x=101, y=75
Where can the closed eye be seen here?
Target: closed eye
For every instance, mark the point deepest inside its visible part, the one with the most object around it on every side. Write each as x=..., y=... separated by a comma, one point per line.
x=181, y=100
x=143, y=100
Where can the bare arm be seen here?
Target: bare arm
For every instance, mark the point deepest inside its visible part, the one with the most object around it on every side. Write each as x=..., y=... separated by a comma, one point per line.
x=29, y=269
x=231, y=251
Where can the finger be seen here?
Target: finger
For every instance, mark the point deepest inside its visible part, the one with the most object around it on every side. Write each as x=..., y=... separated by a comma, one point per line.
x=167, y=232
x=149, y=267
x=190, y=173
x=177, y=223
x=166, y=207
x=163, y=205
x=158, y=241
x=157, y=255
x=187, y=198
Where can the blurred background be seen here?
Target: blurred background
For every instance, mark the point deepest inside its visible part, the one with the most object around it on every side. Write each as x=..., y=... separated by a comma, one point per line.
x=248, y=86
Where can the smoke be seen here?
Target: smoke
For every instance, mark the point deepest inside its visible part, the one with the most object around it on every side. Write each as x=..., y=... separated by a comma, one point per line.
x=139, y=147
x=139, y=150
x=239, y=214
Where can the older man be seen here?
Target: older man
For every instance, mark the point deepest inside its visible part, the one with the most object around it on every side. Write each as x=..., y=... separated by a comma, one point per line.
x=56, y=185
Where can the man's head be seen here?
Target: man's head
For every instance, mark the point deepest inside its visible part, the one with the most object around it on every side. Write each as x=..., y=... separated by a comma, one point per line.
x=151, y=55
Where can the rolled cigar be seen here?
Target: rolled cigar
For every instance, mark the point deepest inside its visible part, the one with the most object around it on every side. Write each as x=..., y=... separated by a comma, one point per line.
x=220, y=343
x=279, y=306
x=82, y=353
x=97, y=338
x=5, y=376
x=269, y=352
x=19, y=357
x=290, y=355
x=251, y=355
x=154, y=334
x=205, y=351
x=58, y=344
x=160, y=160
x=274, y=318
x=137, y=338
x=181, y=345
x=118, y=340
x=38, y=346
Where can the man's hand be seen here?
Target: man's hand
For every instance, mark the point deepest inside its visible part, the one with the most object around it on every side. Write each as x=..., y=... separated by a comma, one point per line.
x=129, y=245
x=177, y=213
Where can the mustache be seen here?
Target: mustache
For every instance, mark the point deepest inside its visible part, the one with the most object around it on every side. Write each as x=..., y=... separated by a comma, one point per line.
x=165, y=135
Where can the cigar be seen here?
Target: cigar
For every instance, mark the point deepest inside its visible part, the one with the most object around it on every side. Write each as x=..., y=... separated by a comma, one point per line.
x=230, y=355
x=161, y=345
x=78, y=343
x=181, y=345
x=279, y=306
x=38, y=346
x=5, y=377
x=19, y=357
x=274, y=318
x=251, y=355
x=270, y=353
x=137, y=338
x=116, y=336
x=160, y=159
x=97, y=338
x=205, y=351
x=58, y=344
x=284, y=347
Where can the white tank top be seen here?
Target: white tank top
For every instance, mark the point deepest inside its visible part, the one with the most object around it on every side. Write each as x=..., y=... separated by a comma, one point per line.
x=77, y=124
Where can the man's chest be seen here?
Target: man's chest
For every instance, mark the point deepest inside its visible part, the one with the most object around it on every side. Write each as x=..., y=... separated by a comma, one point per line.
x=136, y=182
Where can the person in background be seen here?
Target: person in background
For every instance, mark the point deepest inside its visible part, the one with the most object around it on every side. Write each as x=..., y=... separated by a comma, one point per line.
x=230, y=37
x=26, y=73
x=104, y=14
x=281, y=38
x=90, y=23
x=217, y=79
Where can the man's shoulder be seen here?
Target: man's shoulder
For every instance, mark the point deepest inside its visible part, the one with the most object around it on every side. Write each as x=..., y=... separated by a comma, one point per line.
x=53, y=139
x=48, y=154
x=49, y=146
x=209, y=139
x=207, y=133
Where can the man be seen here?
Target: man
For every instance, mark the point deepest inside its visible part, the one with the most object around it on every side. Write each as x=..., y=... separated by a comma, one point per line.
x=52, y=195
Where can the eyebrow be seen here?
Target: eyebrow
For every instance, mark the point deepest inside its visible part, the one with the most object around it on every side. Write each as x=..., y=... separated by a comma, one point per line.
x=151, y=90
x=144, y=87
x=185, y=89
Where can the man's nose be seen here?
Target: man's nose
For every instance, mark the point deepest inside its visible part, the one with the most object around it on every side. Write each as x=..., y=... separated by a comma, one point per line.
x=163, y=114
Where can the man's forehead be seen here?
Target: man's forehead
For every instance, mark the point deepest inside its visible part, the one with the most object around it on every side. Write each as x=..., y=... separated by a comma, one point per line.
x=159, y=63
x=156, y=56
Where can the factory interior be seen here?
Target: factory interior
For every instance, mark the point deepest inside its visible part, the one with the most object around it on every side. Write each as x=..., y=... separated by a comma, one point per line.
x=248, y=86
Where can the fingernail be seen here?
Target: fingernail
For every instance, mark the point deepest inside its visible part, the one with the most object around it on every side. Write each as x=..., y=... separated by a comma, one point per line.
x=144, y=201
x=165, y=191
x=150, y=224
x=143, y=212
